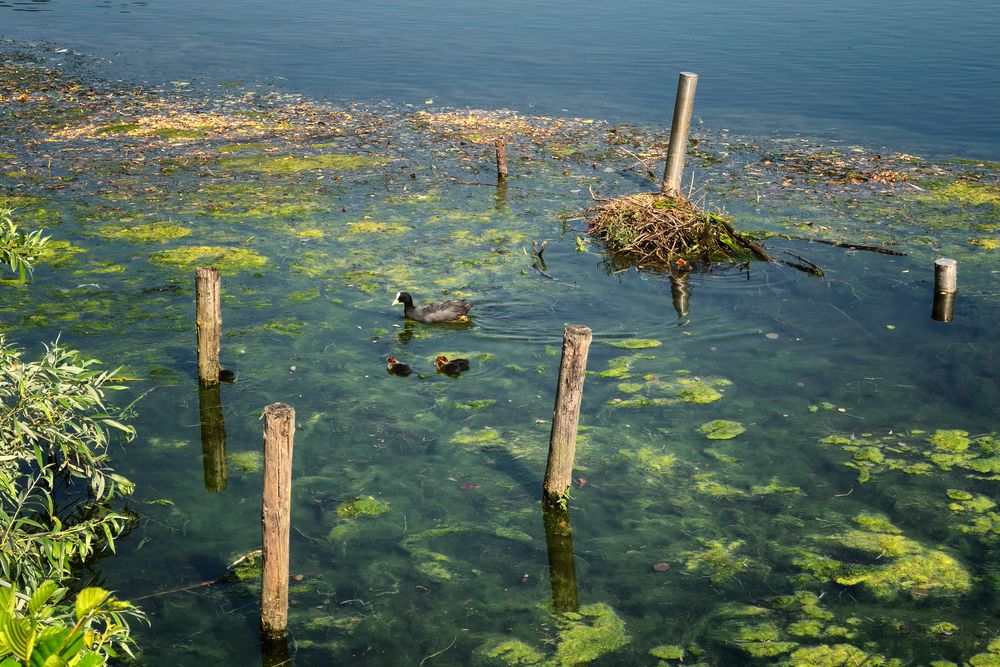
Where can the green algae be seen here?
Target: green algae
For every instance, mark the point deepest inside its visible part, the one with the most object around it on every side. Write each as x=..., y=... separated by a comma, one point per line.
x=650, y=458
x=773, y=488
x=586, y=635
x=290, y=164
x=641, y=402
x=304, y=295
x=945, y=450
x=965, y=193
x=668, y=652
x=837, y=655
x=485, y=436
x=363, y=506
x=706, y=483
x=228, y=260
x=716, y=560
x=695, y=391
x=635, y=343
x=374, y=227
x=722, y=429
x=943, y=628
x=481, y=404
x=593, y=632
x=153, y=232
x=621, y=367
x=238, y=200
x=247, y=462
x=904, y=565
x=515, y=652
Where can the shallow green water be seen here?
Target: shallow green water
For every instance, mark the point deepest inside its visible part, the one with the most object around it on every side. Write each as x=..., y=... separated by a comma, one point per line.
x=447, y=574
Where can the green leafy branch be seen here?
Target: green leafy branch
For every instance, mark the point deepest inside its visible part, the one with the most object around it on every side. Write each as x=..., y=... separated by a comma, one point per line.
x=40, y=631
x=19, y=250
x=54, y=429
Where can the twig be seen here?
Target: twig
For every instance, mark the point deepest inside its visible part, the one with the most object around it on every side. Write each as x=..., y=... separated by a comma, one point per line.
x=649, y=170
x=434, y=655
x=203, y=584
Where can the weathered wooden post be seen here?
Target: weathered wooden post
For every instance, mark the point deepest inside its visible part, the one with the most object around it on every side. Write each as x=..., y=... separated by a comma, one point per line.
x=501, y=146
x=945, y=288
x=208, y=295
x=213, y=437
x=566, y=413
x=279, y=432
x=562, y=565
x=679, y=128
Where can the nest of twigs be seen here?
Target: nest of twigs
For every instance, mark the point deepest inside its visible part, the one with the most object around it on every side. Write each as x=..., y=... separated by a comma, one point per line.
x=654, y=229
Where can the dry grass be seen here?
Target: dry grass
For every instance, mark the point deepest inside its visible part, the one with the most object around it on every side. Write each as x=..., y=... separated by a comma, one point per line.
x=652, y=229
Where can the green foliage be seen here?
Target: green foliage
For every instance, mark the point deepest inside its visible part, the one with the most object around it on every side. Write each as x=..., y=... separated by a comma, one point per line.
x=54, y=430
x=41, y=630
x=18, y=250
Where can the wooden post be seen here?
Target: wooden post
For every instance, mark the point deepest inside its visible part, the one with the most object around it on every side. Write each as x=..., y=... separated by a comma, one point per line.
x=679, y=128
x=208, y=295
x=945, y=288
x=501, y=145
x=945, y=276
x=279, y=432
x=213, y=437
x=562, y=566
x=566, y=414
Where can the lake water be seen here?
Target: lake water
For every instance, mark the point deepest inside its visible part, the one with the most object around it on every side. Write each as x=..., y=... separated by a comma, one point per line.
x=850, y=521
x=916, y=76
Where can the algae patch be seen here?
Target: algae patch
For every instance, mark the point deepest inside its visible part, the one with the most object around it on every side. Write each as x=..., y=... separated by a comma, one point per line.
x=290, y=164
x=227, y=260
x=722, y=429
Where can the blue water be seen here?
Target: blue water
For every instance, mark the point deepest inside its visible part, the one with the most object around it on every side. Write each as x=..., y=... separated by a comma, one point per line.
x=909, y=75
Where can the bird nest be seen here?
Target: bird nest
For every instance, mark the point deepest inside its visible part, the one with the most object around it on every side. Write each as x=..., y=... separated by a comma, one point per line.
x=654, y=229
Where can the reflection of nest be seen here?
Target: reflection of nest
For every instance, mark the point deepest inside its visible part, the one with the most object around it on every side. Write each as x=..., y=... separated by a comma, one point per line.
x=655, y=229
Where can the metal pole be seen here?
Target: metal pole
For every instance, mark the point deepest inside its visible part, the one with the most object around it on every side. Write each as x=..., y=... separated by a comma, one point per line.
x=683, y=106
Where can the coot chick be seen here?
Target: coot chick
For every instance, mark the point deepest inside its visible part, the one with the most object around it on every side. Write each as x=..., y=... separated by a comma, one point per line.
x=452, y=367
x=396, y=368
x=227, y=375
x=455, y=310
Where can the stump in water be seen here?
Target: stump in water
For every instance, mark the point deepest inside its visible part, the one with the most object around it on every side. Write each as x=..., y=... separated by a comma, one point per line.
x=655, y=229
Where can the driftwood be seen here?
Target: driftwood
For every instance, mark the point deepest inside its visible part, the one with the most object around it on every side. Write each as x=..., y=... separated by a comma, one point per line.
x=204, y=584
x=847, y=245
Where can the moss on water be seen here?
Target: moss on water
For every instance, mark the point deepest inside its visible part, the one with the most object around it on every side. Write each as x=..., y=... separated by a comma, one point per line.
x=290, y=164
x=717, y=560
x=153, y=232
x=698, y=391
x=485, y=436
x=650, y=458
x=228, y=260
x=514, y=652
x=901, y=564
x=837, y=655
x=722, y=429
x=594, y=632
x=635, y=343
x=246, y=462
x=366, y=506
x=965, y=193
x=374, y=227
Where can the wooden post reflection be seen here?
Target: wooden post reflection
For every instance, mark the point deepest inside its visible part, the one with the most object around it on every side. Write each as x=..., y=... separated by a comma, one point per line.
x=274, y=651
x=680, y=293
x=562, y=567
x=213, y=437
